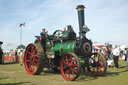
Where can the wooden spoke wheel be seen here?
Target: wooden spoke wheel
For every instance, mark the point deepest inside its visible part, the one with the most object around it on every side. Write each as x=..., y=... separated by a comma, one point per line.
x=97, y=64
x=34, y=59
x=70, y=66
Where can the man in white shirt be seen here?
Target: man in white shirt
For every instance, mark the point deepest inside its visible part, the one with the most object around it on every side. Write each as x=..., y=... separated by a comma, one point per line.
x=115, y=53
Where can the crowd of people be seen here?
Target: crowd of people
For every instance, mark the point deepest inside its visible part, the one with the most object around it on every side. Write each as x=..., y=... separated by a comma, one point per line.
x=114, y=54
x=16, y=54
x=12, y=55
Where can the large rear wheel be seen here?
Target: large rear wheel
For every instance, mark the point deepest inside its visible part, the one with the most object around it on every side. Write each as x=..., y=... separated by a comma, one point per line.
x=34, y=59
x=97, y=64
x=70, y=66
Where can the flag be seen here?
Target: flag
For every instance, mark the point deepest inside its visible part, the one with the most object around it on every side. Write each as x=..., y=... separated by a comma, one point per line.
x=10, y=44
x=96, y=42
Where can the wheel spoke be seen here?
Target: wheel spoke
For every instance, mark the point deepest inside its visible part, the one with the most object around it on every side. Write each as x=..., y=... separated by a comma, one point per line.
x=29, y=53
x=101, y=60
x=67, y=72
x=30, y=69
x=93, y=69
x=64, y=67
x=35, y=64
x=75, y=65
x=35, y=55
x=33, y=69
x=36, y=60
x=73, y=74
x=29, y=66
x=98, y=57
x=67, y=59
x=90, y=67
x=74, y=70
x=29, y=56
x=97, y=69
x=97, y=64
x=27, y=60
x=100, y=70
x=65, y=62
x=102, y=66
x=32, y=48
x=73, y=60
x=94, y=58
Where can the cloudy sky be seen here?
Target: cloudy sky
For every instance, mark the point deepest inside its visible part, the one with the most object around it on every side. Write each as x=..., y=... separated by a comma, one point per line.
x=107, y=19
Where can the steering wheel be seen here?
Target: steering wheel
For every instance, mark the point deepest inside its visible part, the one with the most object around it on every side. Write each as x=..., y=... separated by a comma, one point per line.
x=58, y=33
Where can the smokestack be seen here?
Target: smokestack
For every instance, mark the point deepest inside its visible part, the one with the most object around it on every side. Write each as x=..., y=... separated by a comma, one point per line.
x=80, y=9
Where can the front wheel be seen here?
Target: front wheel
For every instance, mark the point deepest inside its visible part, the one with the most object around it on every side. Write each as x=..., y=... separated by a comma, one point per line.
x=70, y=66
x=97, y=64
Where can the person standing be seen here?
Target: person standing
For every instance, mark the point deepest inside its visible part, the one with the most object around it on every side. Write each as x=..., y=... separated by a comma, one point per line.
x=115, y=53
x=16, y=56
x=44, y=36
x=1, y=53
x=105, y=52
x=21, y=57
x=127, y=58
x=125, y=53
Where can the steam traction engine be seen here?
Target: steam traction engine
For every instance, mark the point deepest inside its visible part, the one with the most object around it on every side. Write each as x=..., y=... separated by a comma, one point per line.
x=65, y=53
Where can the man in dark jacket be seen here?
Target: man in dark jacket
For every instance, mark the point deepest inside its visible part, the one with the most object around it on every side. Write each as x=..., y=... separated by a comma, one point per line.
x=1, y=52
x=44, y=36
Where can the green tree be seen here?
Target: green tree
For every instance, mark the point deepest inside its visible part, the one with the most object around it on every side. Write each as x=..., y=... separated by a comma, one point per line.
x=21, y=47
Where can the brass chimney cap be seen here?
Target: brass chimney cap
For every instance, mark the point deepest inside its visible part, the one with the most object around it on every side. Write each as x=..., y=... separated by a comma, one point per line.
x=80, y=7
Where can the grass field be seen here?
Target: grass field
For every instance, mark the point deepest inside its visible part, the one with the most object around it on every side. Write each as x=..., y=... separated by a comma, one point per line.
x=14, y=74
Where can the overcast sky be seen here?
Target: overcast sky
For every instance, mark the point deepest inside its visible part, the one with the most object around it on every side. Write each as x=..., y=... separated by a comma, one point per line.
x=107, y=19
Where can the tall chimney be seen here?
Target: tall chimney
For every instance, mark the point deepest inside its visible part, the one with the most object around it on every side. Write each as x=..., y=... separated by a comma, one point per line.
x=80, y=9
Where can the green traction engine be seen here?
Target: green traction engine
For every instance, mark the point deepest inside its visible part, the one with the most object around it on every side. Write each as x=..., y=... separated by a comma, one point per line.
x=65, y=53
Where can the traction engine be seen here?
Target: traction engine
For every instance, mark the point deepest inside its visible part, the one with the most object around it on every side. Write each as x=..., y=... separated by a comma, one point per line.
x=65, y=53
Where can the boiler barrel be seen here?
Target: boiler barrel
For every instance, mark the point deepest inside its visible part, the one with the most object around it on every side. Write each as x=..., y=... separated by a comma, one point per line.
x=64, y=47
x=81, y=47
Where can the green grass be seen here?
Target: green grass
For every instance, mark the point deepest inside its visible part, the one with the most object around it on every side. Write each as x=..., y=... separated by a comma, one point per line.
x=14, y=74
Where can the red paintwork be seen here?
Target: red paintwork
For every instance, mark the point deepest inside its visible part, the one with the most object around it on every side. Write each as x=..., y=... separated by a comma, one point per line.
x=40, y=39
x=31, y=59
x=67, y=67
x=99, y=68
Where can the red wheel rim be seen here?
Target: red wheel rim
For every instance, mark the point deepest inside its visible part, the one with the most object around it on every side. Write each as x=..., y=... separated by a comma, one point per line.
x=31, y=59
x=69, y=67
x=97, y=65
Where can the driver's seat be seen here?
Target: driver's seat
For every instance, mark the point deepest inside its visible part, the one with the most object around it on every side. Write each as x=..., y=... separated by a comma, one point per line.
x=69, y=34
